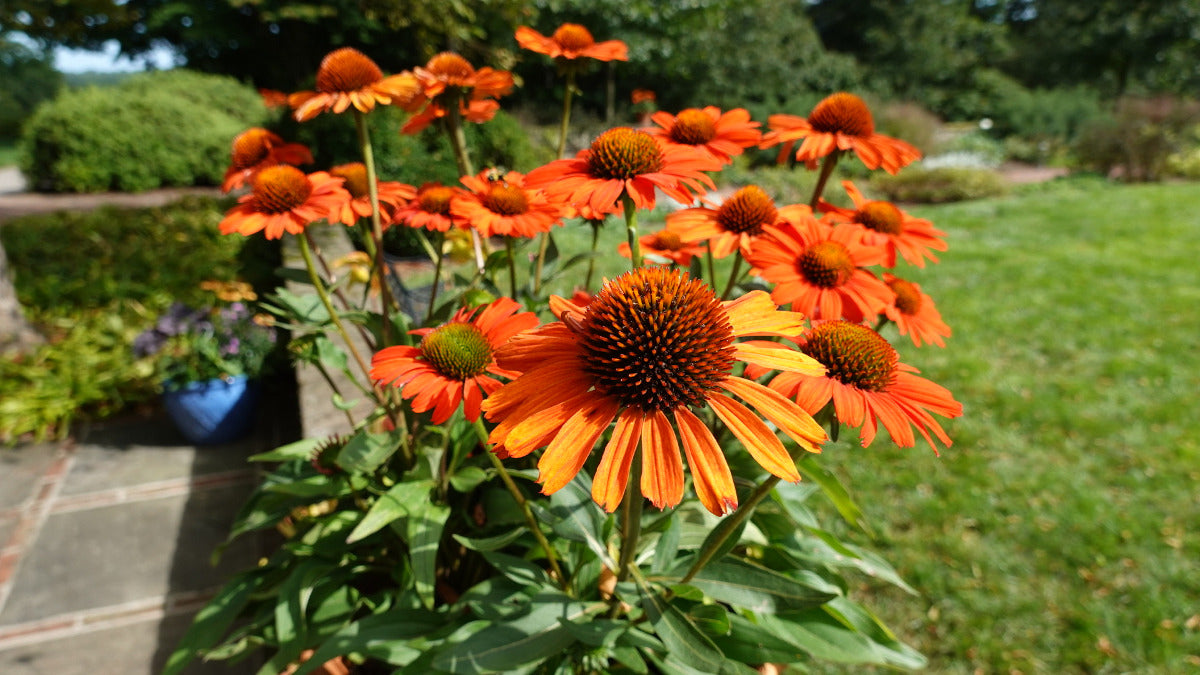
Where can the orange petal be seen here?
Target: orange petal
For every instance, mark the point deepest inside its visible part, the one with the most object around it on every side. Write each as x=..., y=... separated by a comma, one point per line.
x=710, y=471
x=780, y=410
x=755, y=314
x=534, y=430
x=775, y=358
x=759, y=440
x=570, y=448
x=608, y=486
x=662, y=468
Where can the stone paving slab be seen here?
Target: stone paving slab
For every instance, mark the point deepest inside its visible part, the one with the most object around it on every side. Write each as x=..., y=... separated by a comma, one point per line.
x=107, y=556
x=21, y=469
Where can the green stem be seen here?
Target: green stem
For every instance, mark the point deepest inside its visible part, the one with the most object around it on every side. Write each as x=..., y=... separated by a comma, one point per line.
x=512, y=267
x=631, y=231
x=733, y=276
x=727, y=527
x=712, y=270
x=368, y=339
x=458, y=141
x=385, y=293
x=523, y=503
x=883, y=321
x=596, y=225
x=566, y=114
x=827, y=165
x=437, y=276
x=543, y=245
x=631, y=518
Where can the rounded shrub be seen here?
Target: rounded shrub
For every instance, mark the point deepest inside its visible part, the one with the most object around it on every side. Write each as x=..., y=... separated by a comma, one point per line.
x=935, y=186
x=160, y=129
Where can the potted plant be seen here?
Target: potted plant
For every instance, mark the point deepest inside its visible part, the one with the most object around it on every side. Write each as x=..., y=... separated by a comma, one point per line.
x=208, y=360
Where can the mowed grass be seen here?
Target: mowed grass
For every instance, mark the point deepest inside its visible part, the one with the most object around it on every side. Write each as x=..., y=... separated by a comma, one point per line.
x=1061, y=532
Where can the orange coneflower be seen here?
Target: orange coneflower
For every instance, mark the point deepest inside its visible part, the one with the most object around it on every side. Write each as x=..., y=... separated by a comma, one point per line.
x=500, y=205
x=392, y=195
x=887, y=225
x=625, y=161
x=284, y=199
x=666, y=245
x=839, y=122
x=867, y=384
x=723, y=135
x=273, y=98
x=450, y=75
x=571, y=41
x=430, y=209
x=347, y=77
x=818, y=268
x=454, y=362
x=256, y=148
x=652, y=344
x=913, y=312
x=733, y=226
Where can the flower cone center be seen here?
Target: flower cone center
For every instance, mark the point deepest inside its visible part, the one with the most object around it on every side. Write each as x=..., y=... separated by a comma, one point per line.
x=573, y=37
x=457, y=350
x=748, y=211
x=280, y=188
x=451, y=68
x=251, y=147
x=881, y=216
x=908, y=298
x=435, y=199
x=657, y=340
x=844, y=113
x=826, y=264
x=667, y=240
x=505, y=199
x=693, y=127
x=345, y=70
x=852, y=354
x=623, y=153
x=355, y=176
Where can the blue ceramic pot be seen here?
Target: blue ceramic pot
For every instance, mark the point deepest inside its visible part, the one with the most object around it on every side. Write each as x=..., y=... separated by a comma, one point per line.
x=212, y=412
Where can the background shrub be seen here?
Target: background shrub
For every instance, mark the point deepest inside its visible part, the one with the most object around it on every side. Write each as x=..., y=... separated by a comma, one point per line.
x=1139, y=137
x=934, y=186
x=160, y=129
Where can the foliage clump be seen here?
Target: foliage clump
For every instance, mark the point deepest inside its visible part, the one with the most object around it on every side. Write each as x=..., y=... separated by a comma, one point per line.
x=945, y=184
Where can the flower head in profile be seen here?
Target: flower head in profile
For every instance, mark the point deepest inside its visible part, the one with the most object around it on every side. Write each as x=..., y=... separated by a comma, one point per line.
x=733, y=226
x=571, y=41
x=392, y=195
x=839, y=122
x=430, y=208
x=347, y=77
x=624, y=161
x=913, y=312
x=898, y=232
x=454, y=363
x=257, y=148
x=818, y=268
x=652, y=344
x=284, y=199
x=664, y=247
x=868, y=385
x=450, y=80
x=724, y=135
x=501, y=206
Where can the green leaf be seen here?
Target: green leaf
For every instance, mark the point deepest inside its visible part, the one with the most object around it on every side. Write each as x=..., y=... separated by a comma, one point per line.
x=597, y=632
x=759, y=589
x=381, y=636
x=519, y=570
x=712, y=619
x=574, y=516
x=365, y=452
x=466, y=478
x=390, y=506
x=825, y=637
x=667, y=547
x=490, y=543
x=749, y=642
x=291, y=607
x=825, y=548
x=680, y=636
x=214, y=619
x=299, y=450
x=837, y=494
x=426, y=521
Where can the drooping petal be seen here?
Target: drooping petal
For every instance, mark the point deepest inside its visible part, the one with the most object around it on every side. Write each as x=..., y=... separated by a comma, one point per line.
x=710, y=471
x=612, y=476
x=662, y=467
x=565, y=455
x=780, y=410
x=759, y=440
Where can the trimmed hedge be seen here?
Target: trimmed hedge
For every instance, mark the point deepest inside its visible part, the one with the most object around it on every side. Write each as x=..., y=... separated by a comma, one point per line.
x=161, y=129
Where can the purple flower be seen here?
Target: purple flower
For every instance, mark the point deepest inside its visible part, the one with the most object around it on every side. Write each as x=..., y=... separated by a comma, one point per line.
x=148, y=342
x=231, y=348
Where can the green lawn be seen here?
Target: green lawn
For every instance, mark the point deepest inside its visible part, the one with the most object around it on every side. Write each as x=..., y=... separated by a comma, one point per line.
x=1060, y=532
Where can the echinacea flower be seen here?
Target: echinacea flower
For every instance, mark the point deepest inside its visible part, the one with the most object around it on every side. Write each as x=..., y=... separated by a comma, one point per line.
x=347, y=77
x=868, y=385
x=733, y=226
x=839, y=122
x=430, y=208
x=454, y=363
x=914, y=238
x=913, y=312
x=500, y=205
x=665, y=245
x=449, y=79
x=284, y=199
x=723, y=135
x=256, y=148
x=624, y=161
x=571, y=41
x=651, y=345
x=391, y=195
x=817, y=268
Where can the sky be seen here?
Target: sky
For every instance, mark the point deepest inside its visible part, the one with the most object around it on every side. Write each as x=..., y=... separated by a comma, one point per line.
x=107, y=61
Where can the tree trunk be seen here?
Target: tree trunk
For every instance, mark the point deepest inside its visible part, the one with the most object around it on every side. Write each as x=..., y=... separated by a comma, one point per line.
x=16, y=335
